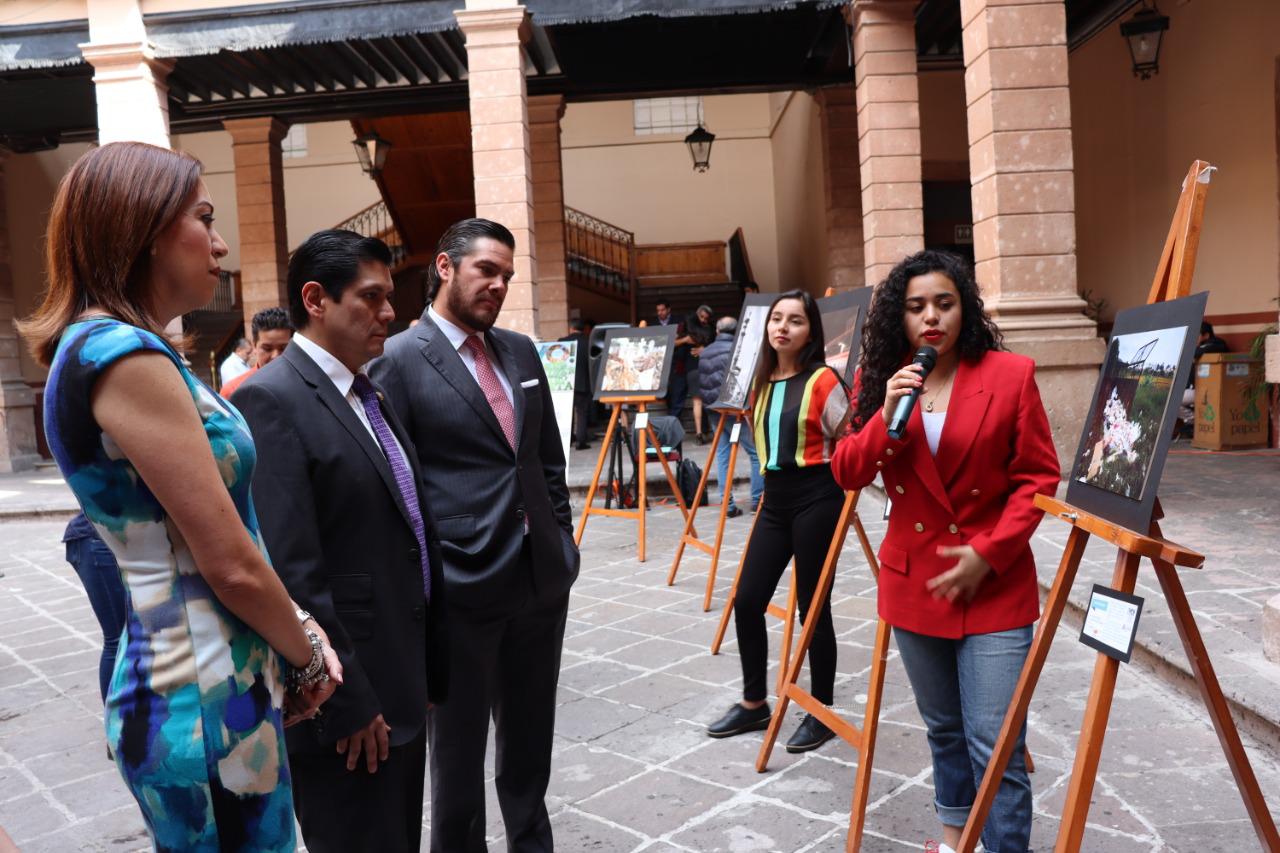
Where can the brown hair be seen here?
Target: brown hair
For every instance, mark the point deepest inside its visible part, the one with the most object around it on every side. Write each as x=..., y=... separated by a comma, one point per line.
x=110, y=208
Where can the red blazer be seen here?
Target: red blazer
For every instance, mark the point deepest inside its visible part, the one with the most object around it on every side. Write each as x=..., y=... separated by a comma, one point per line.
x=996, y=452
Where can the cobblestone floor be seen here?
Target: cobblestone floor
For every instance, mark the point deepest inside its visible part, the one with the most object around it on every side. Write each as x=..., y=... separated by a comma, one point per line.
x=633, y=769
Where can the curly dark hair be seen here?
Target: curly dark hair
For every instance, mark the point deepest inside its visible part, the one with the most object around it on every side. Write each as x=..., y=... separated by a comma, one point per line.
x=885, y=347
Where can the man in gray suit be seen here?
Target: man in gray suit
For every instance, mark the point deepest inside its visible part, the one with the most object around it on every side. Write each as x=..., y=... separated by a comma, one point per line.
x=477, y=407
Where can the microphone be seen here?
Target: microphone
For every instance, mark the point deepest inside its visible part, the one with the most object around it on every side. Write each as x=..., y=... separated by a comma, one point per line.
x=926, y=357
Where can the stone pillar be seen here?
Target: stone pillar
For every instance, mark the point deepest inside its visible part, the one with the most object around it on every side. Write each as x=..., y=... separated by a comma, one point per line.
x=545, y=112
x=495, y=31
x=264, y=244
x=842, y=189
x=888, y=99
x=17, y=402
x=129, y=82
x=1020, y=164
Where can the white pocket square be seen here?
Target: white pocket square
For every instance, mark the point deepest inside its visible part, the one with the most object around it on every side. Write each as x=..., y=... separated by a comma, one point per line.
x=529, y=383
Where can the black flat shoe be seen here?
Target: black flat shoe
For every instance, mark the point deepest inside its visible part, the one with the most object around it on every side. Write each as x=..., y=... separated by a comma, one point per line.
x=810, y=735
x=740, y=720
x=733, y=512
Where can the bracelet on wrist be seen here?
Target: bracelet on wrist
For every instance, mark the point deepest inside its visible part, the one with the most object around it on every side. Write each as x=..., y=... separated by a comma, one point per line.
x=300, y=678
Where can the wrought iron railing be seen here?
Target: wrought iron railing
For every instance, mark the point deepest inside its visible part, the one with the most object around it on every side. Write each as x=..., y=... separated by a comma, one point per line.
x=376, y=221
x=599, y=256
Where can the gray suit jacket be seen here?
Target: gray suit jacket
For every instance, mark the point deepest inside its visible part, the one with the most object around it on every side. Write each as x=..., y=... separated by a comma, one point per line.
x=479, y=488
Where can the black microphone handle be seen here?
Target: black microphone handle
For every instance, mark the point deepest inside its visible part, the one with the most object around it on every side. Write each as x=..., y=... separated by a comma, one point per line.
x=902, y=414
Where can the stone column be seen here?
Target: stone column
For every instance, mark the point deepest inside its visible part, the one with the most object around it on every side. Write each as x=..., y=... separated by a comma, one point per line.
x=129, y=82
x=264, y=244
x=501, y=160
x=545, y=112
x=888, y=99
x=1020, y=164
x=842, y=189
x=17, y=402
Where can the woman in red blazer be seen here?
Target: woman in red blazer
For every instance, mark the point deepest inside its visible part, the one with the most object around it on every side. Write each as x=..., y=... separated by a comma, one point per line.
x=957, y=578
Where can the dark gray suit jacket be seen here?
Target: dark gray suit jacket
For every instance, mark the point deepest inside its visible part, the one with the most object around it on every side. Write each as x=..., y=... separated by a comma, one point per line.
x=480, y=489
x=339, y=536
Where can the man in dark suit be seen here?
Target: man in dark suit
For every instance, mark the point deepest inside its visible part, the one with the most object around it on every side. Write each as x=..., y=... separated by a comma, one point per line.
x=337, y=490
x=476, y=402
x=582, y=390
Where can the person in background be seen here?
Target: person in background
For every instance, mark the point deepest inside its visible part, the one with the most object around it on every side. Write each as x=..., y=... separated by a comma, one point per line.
x=579, y=331
x=714, y=367
x=1209, y=342
x=957, y=577
x=237, y=363
x=96, y=567
x=271, y=332
x=701, y=333
x=678, y=384
x=800, y=408
x=196, y=708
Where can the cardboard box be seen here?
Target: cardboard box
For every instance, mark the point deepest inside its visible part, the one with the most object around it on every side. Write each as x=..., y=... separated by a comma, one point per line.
x=1231, y=402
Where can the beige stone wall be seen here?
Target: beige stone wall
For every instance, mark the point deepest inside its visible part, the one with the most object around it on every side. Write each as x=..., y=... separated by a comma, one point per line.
x=30, y=183
x=797, y=182
x=1214, y=99
x=320, y=189
x=646, y=184
x=16, y=13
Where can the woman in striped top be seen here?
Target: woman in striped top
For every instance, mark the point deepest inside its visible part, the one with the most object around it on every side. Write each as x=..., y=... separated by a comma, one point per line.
x=801, y=408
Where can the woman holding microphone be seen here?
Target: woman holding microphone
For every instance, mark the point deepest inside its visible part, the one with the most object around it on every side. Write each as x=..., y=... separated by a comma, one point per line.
x=800, y=410
x=957, y=578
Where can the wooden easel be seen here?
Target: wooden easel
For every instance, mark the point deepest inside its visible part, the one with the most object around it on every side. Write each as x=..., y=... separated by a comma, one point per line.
x=861, y=739
x=642, y=506
x=1172, y=280
x=689, y=537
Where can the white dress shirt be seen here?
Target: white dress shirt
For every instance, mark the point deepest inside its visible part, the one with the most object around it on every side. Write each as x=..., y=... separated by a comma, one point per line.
x=343, y=380
x=457, y=338
x=233, y=366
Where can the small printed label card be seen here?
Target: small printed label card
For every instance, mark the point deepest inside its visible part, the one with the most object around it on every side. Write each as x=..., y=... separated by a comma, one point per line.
x=1111, y=622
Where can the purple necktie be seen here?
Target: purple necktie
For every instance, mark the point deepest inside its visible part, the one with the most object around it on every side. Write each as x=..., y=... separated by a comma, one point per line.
x=399, y=469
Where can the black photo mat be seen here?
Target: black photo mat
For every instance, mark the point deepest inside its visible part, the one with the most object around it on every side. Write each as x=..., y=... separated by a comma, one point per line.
x=636, y=362
x=736, y=390
x=1125, y=439
x=842, y=317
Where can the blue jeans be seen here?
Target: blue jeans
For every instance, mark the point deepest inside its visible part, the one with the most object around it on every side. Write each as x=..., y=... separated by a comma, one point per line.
x=963, y=689
x=747, y=442
x=96, y=566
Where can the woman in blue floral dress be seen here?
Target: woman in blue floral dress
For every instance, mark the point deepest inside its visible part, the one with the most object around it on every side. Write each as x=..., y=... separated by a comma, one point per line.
x=161, y=467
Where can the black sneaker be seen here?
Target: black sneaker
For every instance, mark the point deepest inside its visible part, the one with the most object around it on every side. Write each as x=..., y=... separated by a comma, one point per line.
x=733, y=512
x=810, y=735
x=739, y=720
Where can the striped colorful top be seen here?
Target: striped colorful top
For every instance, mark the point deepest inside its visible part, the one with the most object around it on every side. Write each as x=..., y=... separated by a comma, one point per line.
x=798, y=420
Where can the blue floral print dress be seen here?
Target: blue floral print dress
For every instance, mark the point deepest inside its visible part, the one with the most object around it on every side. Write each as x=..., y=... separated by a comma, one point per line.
x=194, y=710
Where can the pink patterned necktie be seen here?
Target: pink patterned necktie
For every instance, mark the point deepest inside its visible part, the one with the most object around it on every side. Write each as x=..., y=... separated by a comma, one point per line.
x=492, y=389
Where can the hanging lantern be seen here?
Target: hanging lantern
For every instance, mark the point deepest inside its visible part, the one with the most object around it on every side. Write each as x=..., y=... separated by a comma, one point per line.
x=371, y=151
x=1143, y=32
x=699, y=143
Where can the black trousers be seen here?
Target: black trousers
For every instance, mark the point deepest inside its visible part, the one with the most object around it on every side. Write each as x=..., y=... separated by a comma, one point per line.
x=504, y=662
x=799, y=515
x=348, y=811
x=581, y=418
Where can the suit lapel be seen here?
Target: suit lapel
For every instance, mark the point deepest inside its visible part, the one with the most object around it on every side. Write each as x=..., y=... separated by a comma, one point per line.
x=507, y=359
x=922, y=460
x=328, y=396
x=438, y=350
x=965, y=411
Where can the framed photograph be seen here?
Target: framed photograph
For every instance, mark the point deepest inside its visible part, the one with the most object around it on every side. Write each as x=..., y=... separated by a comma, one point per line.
x=746, y=352
x=1126, y=436
x=636, y=362
x=842, y=317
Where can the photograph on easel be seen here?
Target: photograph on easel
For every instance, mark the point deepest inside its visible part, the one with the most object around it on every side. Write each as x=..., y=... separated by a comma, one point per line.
x=736, y=390
x=636, y=362
x=1129, y=426
x=842, y=318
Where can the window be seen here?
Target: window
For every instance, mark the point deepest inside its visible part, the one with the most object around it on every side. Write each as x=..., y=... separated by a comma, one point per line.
x=667, y=115
x=294, y=143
